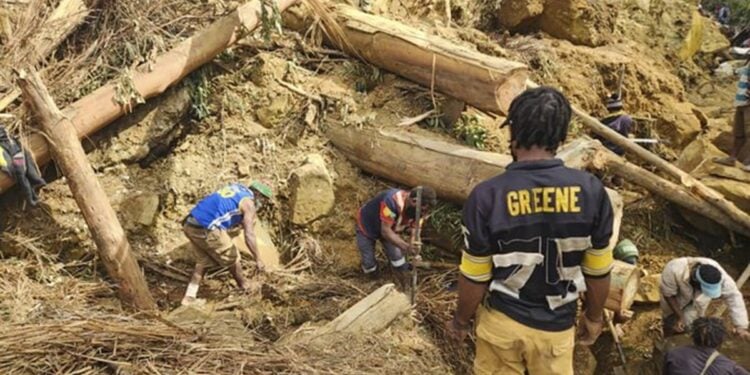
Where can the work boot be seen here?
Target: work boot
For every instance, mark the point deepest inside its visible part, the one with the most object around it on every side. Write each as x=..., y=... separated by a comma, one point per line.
x=406, y=267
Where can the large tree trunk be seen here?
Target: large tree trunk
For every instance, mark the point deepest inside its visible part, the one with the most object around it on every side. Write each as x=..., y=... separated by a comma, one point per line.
x=454, y=170
x=68, y=15
x=486, y=82
x=96, y=110
x=114, y=249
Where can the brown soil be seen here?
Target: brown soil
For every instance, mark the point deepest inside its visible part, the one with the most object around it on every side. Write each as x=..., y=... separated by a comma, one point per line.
x=243, y=124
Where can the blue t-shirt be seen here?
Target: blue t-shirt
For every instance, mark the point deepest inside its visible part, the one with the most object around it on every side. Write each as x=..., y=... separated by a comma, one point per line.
x=221, y=210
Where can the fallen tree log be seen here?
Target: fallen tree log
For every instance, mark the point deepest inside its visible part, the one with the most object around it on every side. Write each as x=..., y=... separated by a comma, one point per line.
x=96, y=110
x=414, y=55
x=371, y=314
x=418, y=160
x=486, y=82
x=113, y=246
x=68, y=15
x=680, y=195
x=740, y=218
x=624, y=283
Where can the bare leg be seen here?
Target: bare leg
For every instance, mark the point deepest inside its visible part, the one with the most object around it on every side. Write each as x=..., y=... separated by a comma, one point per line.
x=236, y=271
x=195, y=281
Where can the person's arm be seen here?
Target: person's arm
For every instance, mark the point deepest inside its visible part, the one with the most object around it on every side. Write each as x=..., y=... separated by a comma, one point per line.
x=247, y=206
x=391, y=236
x=736, y=305
x=668, y=287
x=476, y=268
x=596, y=265
x=388, y=217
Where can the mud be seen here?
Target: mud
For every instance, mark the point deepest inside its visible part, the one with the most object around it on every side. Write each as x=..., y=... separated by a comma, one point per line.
x=249, y=115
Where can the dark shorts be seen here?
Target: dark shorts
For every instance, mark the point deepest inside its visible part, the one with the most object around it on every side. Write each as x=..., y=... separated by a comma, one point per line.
x=741, y=121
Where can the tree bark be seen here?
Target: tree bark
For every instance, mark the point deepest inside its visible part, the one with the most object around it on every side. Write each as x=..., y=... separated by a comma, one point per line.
x=371, y=314
x=454, y=170
x=96, y=110
x=114, y=249
x=735, y=215
x=486, y=82
x=625, y=279
x=68, y=15
x=680, y=195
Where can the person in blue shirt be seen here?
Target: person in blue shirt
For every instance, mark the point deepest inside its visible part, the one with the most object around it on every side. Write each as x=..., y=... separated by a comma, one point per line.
x=207, y=228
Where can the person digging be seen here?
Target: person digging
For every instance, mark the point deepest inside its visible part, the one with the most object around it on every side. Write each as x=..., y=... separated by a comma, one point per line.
x=383, y=218
x=688, y=285
x=207, y=228
x=741, y=121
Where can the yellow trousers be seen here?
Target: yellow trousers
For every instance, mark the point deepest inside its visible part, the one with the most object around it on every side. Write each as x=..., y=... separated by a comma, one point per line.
x=505, y=346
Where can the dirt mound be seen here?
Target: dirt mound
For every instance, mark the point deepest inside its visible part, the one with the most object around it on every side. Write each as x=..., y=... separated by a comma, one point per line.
x=578, y=21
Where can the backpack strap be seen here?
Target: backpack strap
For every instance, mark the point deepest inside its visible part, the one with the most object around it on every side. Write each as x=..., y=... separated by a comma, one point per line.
x=710, y=361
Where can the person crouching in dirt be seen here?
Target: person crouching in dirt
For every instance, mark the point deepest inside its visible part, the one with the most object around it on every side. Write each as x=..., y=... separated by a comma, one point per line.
x=207, y=228
x=741, y=120
x=19, y=165
x=383, y=218
x=687, y=287
x=703, y=356
x=536, y=236
x=618, y=121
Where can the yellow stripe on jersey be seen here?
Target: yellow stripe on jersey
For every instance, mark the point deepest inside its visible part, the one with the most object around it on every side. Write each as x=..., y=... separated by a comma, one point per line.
x=476, y=268
x=597, y=262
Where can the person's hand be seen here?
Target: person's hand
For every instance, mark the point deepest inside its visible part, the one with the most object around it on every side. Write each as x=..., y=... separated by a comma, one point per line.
x=589, y=330
x=455, y=331
x=679, y=325
x=742, y=333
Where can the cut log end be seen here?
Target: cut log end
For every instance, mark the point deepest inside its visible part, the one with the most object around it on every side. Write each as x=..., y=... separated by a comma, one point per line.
x=625, y=279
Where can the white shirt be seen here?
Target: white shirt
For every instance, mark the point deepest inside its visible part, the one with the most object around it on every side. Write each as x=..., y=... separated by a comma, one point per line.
x=675, y=282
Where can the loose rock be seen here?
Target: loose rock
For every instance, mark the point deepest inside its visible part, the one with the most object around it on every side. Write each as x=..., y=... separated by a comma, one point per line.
x=140, y=210
x=311, y=188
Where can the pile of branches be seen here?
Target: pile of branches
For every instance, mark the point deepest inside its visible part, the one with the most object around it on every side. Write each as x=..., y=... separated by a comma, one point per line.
x=150, y=344
x=436, y=304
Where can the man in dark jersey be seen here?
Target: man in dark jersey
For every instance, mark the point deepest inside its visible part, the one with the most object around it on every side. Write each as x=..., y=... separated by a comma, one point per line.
x=536, y=236
x=383, y=218
x=207, y=228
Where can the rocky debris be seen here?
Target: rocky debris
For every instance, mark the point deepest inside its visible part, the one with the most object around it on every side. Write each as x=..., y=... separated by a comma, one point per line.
x=677, y=121
x=311, y=189
x=513, y=13
x=266, y=69
x=578, y=21
x=146, y=134
x=648, y=290
x=140, y=210
x=272, y=114
x=697, y=154
x=731, y=182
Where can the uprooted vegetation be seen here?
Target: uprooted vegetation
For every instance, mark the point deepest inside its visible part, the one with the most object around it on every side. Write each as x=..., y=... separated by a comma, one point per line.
x=256, y=112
